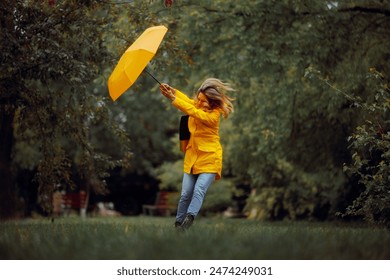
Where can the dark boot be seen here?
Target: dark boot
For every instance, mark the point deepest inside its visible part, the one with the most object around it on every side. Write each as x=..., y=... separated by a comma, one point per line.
x=187, y=223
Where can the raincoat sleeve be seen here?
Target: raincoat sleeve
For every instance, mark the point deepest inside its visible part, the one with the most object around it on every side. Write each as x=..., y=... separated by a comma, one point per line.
x=208, y=118
x=184, y=97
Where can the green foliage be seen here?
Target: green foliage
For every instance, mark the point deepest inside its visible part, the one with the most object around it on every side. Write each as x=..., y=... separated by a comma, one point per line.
x=291, y=193
x=170, y=175
x=51, y=55
x=264, y=49
x=370, y=145
x=219, y=195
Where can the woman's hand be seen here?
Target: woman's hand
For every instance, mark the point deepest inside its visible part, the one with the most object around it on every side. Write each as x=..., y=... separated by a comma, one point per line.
x=168, y=91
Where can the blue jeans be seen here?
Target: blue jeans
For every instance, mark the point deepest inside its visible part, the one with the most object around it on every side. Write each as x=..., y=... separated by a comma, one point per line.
x=194, y=188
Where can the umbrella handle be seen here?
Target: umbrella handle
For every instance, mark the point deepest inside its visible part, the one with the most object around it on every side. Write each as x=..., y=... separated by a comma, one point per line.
x=152, y=76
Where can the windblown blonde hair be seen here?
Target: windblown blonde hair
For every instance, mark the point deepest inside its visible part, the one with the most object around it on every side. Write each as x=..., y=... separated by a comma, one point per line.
x=216, y=92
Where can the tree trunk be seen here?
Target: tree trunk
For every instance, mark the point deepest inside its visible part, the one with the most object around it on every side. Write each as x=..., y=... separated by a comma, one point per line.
x=7, y=186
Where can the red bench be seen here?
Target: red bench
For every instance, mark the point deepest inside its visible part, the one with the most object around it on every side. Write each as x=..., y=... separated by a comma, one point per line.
x=64, y=202
x=163, y=206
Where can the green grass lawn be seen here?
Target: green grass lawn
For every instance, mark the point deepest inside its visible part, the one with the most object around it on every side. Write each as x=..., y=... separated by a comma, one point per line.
x=149, y=238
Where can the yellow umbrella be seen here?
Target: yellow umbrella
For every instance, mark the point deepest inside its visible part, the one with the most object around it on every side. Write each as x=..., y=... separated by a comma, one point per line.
x=134, y=60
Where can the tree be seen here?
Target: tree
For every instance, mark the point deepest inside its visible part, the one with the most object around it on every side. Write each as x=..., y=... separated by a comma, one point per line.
x=51, y=53
x=370, y=145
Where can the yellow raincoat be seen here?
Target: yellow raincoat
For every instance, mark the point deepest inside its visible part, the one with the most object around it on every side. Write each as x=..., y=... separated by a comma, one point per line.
x=204, y=151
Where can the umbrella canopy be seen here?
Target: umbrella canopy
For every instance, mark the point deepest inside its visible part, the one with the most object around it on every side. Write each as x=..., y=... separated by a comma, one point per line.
x=134, y=60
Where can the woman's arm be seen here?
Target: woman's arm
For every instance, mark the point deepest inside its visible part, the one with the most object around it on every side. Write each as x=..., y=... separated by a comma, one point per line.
x=187, y=106
x=209, y=118
x=184, y=97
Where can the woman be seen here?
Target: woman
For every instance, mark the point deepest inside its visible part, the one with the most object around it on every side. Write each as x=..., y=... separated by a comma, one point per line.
x=203, y=153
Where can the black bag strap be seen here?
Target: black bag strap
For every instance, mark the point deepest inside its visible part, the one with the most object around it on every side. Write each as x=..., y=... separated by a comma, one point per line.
x=184, y=132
